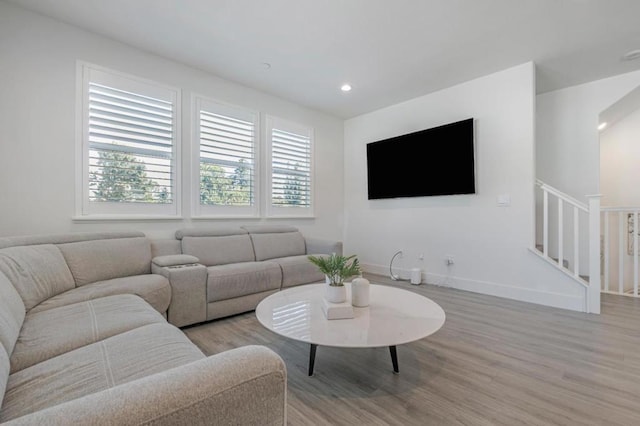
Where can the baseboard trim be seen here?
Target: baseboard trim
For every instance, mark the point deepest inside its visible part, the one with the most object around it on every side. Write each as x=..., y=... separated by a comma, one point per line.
x=555, y=300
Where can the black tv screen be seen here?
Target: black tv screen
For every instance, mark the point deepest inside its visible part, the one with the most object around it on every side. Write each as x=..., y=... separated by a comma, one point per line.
x=437, y=161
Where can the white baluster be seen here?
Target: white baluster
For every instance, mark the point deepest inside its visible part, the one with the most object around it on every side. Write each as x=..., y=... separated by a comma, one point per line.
x=560, y=232
x=606, y=251
x=620, y=252
x=545, y=223
x=635, y=253
x=576, y=242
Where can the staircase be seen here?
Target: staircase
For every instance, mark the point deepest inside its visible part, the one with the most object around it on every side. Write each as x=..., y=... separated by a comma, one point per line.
x=565, y=219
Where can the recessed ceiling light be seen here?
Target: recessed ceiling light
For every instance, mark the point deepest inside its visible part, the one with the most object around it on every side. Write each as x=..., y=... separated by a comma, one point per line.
x=345, y=87
x=602, y=126
x=631, y=55
x=266, y=65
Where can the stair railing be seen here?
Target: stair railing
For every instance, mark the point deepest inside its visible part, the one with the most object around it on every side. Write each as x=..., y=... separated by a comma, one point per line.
x=580, y=212
x=627, y=281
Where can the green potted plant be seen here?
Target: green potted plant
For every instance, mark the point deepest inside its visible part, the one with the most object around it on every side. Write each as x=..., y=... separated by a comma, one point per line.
x=337, y=268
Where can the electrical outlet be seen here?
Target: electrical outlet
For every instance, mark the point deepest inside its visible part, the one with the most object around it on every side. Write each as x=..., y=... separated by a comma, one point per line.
x=449, y=260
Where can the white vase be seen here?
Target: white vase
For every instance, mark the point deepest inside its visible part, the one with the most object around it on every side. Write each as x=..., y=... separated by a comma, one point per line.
x=336, y=294
x=360, y=292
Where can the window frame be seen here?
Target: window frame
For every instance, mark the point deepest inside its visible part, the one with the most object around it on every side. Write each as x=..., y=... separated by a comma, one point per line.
x=271, y=211
x=199, y=211
x=92, y=210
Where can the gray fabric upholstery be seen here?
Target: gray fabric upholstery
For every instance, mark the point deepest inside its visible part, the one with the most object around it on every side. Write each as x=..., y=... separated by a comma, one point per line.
x=154, y=289
x=240, y=279
x=12, y=312
x=269, y=229
x=298, y=270
x=237, y=305
x=37, y=272
x=111, y=362
x=188, y=293
x=219, y=250
x=4, y=372
x=91, y=261
x=174, y=260
x=213, y=231
x=31, y=240
x=244, y=386
x=273, y=245
x=322, y=246
x=50, y=333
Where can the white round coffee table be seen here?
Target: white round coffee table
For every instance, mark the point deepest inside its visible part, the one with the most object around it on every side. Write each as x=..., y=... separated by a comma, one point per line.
x=394, y=317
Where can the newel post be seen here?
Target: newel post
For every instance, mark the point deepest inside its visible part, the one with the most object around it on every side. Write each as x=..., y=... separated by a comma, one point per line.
x=593, y=292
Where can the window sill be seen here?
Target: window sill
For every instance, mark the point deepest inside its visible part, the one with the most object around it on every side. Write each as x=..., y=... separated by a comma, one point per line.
x=279, y=217
x=123, y=217
x=225, y=217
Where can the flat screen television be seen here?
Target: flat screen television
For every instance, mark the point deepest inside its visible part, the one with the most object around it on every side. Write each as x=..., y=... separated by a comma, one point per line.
x=436, y=161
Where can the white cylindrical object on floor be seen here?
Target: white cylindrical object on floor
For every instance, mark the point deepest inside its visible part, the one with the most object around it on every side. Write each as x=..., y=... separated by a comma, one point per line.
x=416, y=276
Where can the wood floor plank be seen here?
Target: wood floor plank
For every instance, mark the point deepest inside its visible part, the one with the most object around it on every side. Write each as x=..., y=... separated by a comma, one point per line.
x=494, y=362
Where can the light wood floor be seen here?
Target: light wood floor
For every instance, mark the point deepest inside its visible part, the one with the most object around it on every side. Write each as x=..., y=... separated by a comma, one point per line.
x=495, y=361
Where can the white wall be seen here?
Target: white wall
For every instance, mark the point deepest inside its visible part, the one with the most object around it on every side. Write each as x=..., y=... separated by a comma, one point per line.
x=620, y=162
x=489, y=243
x=37, y=126
x=567, y=148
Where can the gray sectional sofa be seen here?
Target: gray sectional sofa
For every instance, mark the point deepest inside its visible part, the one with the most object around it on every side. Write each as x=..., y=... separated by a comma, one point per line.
x=221, y=271
x=84, y=339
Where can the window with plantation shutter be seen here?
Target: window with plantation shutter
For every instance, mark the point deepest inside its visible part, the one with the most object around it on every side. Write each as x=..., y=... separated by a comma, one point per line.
x=225, y=167
x=129, y=145
x=290, y=174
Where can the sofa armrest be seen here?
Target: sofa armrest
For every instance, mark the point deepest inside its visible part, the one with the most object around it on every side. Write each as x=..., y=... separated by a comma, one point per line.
x=244, y=386
x=188, y=290
x=320, y=246
x=175, y=260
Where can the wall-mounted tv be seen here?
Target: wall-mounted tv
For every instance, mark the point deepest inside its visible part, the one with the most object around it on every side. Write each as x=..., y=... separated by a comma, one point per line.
x=436, y=161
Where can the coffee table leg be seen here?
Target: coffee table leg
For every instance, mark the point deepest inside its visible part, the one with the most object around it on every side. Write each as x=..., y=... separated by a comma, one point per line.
x=394, y=358
x=312, y=358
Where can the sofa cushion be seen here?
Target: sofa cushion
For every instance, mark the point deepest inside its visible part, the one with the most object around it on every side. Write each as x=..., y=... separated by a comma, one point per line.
x=282, y=244
x=102, y=365
x=154, y=289
x=37, y=272
x=12, y=313
x=212, y=251
x=59, y=330
x=99, y=260
x=240, y=279
x=298, y=270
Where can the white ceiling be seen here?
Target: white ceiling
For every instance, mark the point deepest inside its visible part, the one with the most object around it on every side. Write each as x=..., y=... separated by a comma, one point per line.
x=389, y=50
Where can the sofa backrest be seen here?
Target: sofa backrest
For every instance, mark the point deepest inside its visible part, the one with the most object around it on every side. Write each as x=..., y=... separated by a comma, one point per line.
x=217, y=246
x=105, y=259
x=274, y=241
x=37, y=272
x=165, y=247
x=12, y=313
x=71, y=237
